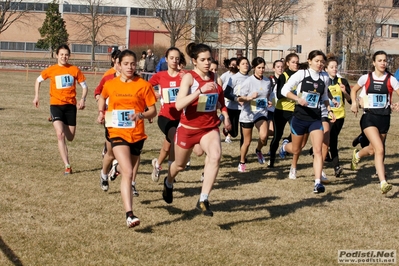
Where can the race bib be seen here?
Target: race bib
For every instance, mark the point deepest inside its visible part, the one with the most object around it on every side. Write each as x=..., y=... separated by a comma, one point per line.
x=169, y=95
x=207, y=102
x=64, y=81
x=375, y=100
x=120, y=119
x=338, y=99
x=259, y=104
x=312, y=98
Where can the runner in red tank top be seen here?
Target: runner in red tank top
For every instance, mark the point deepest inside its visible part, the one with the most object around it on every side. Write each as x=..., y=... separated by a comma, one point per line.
x=168, y=117
x=198, y=97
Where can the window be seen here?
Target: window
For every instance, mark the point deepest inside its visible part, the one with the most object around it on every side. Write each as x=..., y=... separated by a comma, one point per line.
x=233, y=26
x=395, y=3
x=395, y=31
x=378, y=30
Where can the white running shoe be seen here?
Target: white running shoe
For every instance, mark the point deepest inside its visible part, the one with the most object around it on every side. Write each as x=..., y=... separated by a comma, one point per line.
x=241, y=167
x=324, y=179
x=227, y=139
x=292, y=174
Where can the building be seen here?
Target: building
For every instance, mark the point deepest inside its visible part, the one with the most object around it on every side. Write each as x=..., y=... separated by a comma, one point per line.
x=135, y=25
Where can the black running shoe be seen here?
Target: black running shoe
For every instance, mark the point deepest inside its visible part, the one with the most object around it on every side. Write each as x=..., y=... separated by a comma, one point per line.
x=203, y=206
x=167, y=193
x=338, y=171
x=356, y=141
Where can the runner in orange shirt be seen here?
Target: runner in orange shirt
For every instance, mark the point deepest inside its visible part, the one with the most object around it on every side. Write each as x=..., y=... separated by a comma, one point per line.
x=128, y=95
x=63, y=78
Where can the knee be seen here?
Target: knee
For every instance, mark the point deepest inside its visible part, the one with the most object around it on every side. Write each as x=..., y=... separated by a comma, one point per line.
x=60, y=135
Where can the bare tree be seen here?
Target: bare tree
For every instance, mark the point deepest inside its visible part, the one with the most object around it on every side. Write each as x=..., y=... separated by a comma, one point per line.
x=354, y=27
x=10, y=13
x=95, y=25
x=253, y=18
x=176, y=15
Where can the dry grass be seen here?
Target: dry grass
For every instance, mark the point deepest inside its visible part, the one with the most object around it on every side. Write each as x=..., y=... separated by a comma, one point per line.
x=261, y=217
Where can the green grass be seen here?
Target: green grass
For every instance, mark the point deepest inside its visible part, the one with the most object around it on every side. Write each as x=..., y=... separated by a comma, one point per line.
x=260, y=217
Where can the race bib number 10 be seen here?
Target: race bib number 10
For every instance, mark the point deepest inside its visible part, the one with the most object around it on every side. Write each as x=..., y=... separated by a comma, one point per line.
x=169, y=95
x=207, y=102
x=64, y=82
x=375, y=100
x=121, y=119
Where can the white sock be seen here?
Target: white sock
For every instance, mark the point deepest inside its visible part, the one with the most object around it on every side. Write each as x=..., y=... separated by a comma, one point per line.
x=133, y=183
x=169, y=185
x=157, y=164
x=317, y=181
x=203, y=197
x=357, y=155
x=383, y=182
x=104, y=176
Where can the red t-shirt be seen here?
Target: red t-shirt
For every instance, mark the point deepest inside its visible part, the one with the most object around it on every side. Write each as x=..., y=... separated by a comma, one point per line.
x=168, y=88
x=202, y=112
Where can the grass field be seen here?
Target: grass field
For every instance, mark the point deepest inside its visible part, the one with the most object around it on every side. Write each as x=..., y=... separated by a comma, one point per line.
x=260, y=217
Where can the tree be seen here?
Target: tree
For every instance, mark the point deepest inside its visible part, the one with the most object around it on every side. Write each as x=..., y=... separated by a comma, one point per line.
x=10, y=13
x=53, y=30
x=253, y=18
x=96, y=26
x=176, y=15
x=354, y=28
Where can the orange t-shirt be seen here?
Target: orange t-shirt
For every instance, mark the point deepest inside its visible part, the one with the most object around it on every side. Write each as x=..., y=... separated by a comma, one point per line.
x=109, y=72
x=63, y=83
x=131, y=96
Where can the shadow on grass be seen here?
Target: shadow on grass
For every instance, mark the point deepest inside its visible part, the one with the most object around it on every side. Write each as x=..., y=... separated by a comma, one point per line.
x=9, y=253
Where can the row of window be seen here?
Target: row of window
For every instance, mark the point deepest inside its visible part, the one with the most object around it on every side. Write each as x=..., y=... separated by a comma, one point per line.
x=31, y=47
x=114, y=10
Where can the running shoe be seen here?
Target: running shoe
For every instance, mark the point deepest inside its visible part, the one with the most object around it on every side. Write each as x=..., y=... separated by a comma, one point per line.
x=241, y=167
x=385, y=188
x=282, y=152
x=155, y=170
x=261, y=159
x=319, y=188
x=188, y=164
x=68, y=170
x=167, y=193
x=355, y=160
x=324, y=178
x=113, y=173
x=227, y=139
x=203, y=206
x=292, y=174
x=104, y=184
x=132, y=221
x=338, y=171
x=134, y=191
x=202, y=177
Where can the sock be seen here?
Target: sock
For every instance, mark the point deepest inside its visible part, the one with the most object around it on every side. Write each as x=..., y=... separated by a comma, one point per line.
x=317, y=181
x=256, y=150
x=168, y=185
x=67, y=166
x=242, y=163
x=157, y=164
x=383, y=182
x=357, y=155
x=104, y=176
x=133, y=183
x=129, y=214
x=203, y=197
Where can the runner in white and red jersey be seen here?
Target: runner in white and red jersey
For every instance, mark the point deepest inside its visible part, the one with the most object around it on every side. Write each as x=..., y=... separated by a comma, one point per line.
x=168, y=83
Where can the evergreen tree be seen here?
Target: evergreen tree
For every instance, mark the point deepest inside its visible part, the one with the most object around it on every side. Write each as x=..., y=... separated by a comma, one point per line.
x=53, y=30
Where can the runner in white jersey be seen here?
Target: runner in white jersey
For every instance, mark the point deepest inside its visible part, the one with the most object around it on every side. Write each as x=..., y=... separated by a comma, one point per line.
x=255, y=95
